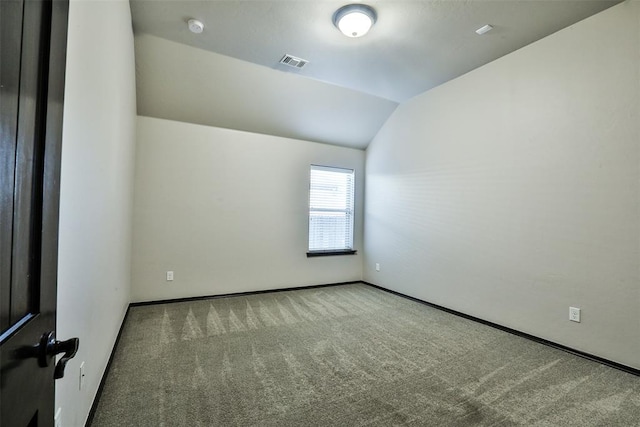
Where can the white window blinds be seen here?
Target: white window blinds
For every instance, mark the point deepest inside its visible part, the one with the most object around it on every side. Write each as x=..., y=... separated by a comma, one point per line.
x=331, y=197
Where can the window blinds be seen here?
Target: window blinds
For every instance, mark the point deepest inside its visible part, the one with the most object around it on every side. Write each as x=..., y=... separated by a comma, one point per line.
x=331, y=199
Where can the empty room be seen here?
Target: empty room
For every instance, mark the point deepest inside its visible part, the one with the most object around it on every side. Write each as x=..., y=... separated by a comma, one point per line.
x=318, y=213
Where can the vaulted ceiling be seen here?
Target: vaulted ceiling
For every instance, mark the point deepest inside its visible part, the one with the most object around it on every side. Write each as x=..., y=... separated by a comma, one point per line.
x=230, y=76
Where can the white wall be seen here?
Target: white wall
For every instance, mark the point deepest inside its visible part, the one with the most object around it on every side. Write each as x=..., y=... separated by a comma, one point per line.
x=227, y=211
x=513, y=192
x=98, y=151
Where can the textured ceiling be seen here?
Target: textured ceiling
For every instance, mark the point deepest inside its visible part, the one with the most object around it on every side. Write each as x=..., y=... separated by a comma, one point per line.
x=350, y=85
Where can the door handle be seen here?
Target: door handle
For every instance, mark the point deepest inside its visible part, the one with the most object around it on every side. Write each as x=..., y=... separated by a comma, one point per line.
x=69, y=348
x=49, y=347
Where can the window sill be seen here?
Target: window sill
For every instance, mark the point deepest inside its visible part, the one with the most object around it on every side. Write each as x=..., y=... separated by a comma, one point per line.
x=332, y=252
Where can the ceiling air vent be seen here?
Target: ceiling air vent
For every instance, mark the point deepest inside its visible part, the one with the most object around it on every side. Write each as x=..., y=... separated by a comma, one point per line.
x=293, y=61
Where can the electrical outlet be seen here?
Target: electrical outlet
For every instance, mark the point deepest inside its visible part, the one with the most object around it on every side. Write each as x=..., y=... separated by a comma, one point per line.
x=81, y=377
x=169, y=276
x=377, y=266
x=57, y=419
x=574, y=314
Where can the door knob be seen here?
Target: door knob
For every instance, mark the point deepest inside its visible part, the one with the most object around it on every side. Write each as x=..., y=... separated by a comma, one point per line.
x=49, y=347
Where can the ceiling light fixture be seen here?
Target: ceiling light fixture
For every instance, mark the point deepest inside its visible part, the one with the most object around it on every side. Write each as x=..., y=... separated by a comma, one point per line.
x=354, y=20
x=195, y=26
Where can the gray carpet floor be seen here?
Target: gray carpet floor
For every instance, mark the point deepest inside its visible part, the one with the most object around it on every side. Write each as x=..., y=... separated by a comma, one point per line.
x=348, y=355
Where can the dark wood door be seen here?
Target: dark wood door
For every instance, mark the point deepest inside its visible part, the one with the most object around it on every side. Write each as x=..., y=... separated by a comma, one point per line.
x=32, y=62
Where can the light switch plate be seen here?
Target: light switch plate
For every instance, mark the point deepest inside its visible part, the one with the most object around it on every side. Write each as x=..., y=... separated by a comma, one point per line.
x=57, y=420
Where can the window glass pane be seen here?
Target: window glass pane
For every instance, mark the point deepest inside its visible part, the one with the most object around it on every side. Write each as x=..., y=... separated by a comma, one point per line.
x=331, y=199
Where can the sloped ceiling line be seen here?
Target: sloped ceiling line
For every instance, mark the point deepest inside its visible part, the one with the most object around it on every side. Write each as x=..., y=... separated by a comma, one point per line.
x=229, y=75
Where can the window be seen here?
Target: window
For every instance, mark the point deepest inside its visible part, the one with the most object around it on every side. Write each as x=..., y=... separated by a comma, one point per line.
x=331, y=196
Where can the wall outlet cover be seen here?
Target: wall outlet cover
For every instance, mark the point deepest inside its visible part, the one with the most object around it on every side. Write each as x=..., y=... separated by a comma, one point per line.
x=574, y=314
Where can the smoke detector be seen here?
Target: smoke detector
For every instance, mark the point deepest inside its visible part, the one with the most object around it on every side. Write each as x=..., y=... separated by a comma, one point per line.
x=483, y=30
x=195, y=26
x=293, y=61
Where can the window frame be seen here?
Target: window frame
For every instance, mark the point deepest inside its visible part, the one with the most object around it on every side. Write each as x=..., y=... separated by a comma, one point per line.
x=331, y=252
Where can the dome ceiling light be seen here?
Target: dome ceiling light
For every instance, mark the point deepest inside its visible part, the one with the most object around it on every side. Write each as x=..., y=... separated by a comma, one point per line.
x=354, y=20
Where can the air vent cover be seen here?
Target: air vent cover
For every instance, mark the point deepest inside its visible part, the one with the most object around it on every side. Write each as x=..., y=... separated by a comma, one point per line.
x=293, y=61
